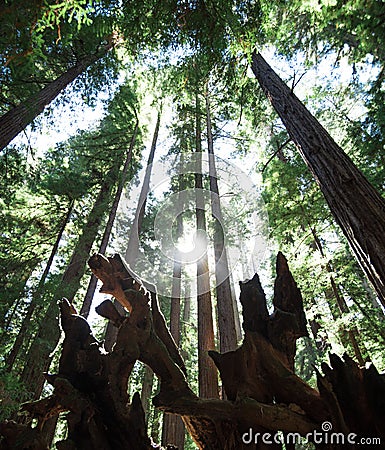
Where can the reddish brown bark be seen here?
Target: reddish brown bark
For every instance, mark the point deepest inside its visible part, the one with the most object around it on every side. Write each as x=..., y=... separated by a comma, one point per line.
x=357, y=207
x=225, y=303
x=208, y=378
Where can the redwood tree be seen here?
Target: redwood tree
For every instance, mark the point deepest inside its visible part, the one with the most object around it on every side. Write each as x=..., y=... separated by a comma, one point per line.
x=225, y=302
x=208, y=378
x=15, y=120
x=357, y=207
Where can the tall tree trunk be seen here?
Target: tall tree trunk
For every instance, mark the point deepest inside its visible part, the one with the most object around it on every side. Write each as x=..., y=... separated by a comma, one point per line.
x=208, y=376
x=131, y=257
x=86, y=306
x=11, y=301
x=187, y=305
x=357, y=207
x=132, y=250
x=173, y=431
x=39, y=356
x=35, y=301
x=133, y=242
x=237, y=318
x=350, y=337
x=225, y=302
x=145, y=395
x=14, y=121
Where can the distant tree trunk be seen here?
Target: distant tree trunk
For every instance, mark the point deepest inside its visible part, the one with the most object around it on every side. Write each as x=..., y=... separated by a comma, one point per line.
x=39, y=356
x=357, y=207
x=132, y=250
x=86, y=306
x=173, y=431
x=111, y=331
x=208, y=376
x=225, y=302
x=133, y=242
x=147, y=383
x=238, y=326
x=35, y=301
x=187, y=305
x=350, y=337
x=11, y=301
x=15, y=120
x=131, y=257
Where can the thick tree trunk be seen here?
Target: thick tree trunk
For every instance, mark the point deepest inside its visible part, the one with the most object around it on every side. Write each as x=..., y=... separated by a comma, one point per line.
x=238, y=327
x=39, y=356
x=86, y=306
x=208, y=377
x=225, y=302
x=35, y=301
x=356, y=205
x=15, y=120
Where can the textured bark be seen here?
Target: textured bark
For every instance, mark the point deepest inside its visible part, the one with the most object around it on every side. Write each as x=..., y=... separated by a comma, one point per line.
x=357, y=207
x=225, y=302
x=263, y=393
x=86, y=306
x=15, y=120
x=237, y=319
x=356, y=397
x=208, y=378
x=34, y=304
x=187, y=307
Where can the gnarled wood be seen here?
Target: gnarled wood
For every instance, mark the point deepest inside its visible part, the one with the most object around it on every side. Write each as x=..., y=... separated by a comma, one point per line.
x=263, y=393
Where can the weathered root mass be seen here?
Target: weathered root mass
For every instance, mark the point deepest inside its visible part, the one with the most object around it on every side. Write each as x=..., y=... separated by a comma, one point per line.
x=263, y=394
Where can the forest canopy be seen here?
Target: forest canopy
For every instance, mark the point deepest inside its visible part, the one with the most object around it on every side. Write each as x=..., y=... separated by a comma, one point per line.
x=192, y=223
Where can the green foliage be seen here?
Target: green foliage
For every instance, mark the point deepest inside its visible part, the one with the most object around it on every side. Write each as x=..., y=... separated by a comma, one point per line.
x=28, y=225
x=52, y=15
x=11, y=393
